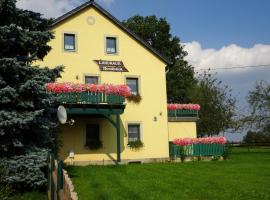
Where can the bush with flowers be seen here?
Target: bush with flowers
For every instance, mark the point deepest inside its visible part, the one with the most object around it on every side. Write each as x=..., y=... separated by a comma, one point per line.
x=183, y=107
x=206, y=140
x=122, y=90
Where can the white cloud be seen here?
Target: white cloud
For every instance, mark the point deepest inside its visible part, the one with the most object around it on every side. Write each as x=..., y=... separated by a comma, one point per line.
x=227, y=56
x=50, y=8
x=54, y=8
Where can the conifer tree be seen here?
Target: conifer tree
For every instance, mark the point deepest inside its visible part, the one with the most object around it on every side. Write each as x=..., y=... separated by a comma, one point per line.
x=25, y=120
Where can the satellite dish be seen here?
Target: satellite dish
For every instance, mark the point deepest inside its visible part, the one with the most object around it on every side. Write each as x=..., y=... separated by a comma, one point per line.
x=62, y=114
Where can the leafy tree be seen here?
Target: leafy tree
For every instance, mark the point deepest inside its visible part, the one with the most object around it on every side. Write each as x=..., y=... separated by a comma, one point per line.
x=25, y=120
x=259, y=101
x=261, y=137
x=180, y=79
x=217, y=105
x=156, y=32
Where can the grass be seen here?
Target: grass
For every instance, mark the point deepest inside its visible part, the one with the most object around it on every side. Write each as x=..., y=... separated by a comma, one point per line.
x=30, y=196
x=246, y=175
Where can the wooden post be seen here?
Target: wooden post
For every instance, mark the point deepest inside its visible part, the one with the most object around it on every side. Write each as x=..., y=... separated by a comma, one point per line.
x=59, y=179
x=51, y=176
x=118, y=138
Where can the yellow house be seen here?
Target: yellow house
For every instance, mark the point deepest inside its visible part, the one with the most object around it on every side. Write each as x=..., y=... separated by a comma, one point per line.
x=96, y=48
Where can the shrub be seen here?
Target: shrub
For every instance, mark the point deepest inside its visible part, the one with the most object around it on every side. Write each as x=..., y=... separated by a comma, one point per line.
x=27, y=172
x=227, y=151
x=182, y=153
x=215, y=158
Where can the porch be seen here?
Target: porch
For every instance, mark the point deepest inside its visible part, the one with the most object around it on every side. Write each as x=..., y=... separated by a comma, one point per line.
x=93, y=108
x=93, y=139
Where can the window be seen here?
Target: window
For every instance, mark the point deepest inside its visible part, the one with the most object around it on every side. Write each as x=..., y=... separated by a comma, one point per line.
x=133, y=84
x=111, y=47
x=133, y=132
x=92, y=136
x=91, y=79
x=69, y=42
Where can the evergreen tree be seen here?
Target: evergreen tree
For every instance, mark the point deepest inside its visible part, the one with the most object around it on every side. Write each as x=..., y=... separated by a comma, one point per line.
x=156, y=32
x=25, y=120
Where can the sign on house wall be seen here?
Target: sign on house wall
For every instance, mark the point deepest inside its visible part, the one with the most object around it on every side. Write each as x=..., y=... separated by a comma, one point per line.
x=113, y=66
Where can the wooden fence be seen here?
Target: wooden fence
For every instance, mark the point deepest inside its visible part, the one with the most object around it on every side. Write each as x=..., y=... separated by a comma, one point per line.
x=196, y=150
x=59, y=184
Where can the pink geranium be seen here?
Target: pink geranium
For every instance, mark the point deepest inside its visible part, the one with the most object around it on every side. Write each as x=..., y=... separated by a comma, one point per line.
x=207, y=140
x=92, y=88
x=183, y=107
x=122, y=90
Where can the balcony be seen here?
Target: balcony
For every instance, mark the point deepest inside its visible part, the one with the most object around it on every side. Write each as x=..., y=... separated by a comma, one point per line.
x=88, y=98
x=183, y=112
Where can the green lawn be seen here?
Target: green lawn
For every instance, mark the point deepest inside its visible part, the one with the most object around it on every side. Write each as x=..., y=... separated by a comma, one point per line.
x=30, y=196
x=246, y=175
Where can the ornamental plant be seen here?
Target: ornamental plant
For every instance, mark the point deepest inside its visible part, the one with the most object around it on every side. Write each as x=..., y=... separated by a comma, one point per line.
x=136, y=98
x=183, y=107
x=122, y=90
x=206, y=140
x=135, y=144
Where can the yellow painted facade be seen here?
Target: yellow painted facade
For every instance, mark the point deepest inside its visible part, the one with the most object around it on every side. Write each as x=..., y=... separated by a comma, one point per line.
x=150, y=113
x=182, y=130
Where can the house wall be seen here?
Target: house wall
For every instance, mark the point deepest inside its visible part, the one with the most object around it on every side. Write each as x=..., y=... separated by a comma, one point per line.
x=182, y=130
x=138, y=60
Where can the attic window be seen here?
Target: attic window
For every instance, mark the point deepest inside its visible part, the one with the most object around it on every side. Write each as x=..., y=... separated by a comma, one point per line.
x=69, y=42
x=111, y=47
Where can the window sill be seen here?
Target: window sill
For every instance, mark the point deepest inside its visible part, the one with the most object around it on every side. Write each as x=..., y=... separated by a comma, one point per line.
x=111, y=54
x=70, y=51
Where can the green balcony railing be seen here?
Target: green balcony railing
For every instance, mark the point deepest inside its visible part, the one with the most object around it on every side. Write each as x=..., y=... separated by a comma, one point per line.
x=89, y=98
x=182, y=113
x=197, y=150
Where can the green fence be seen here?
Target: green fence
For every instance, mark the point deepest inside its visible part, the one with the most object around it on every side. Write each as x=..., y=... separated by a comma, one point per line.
x=196, y=150
x=89, y=98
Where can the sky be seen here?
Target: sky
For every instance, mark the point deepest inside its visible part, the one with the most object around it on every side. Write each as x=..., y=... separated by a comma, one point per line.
x=216, y=33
